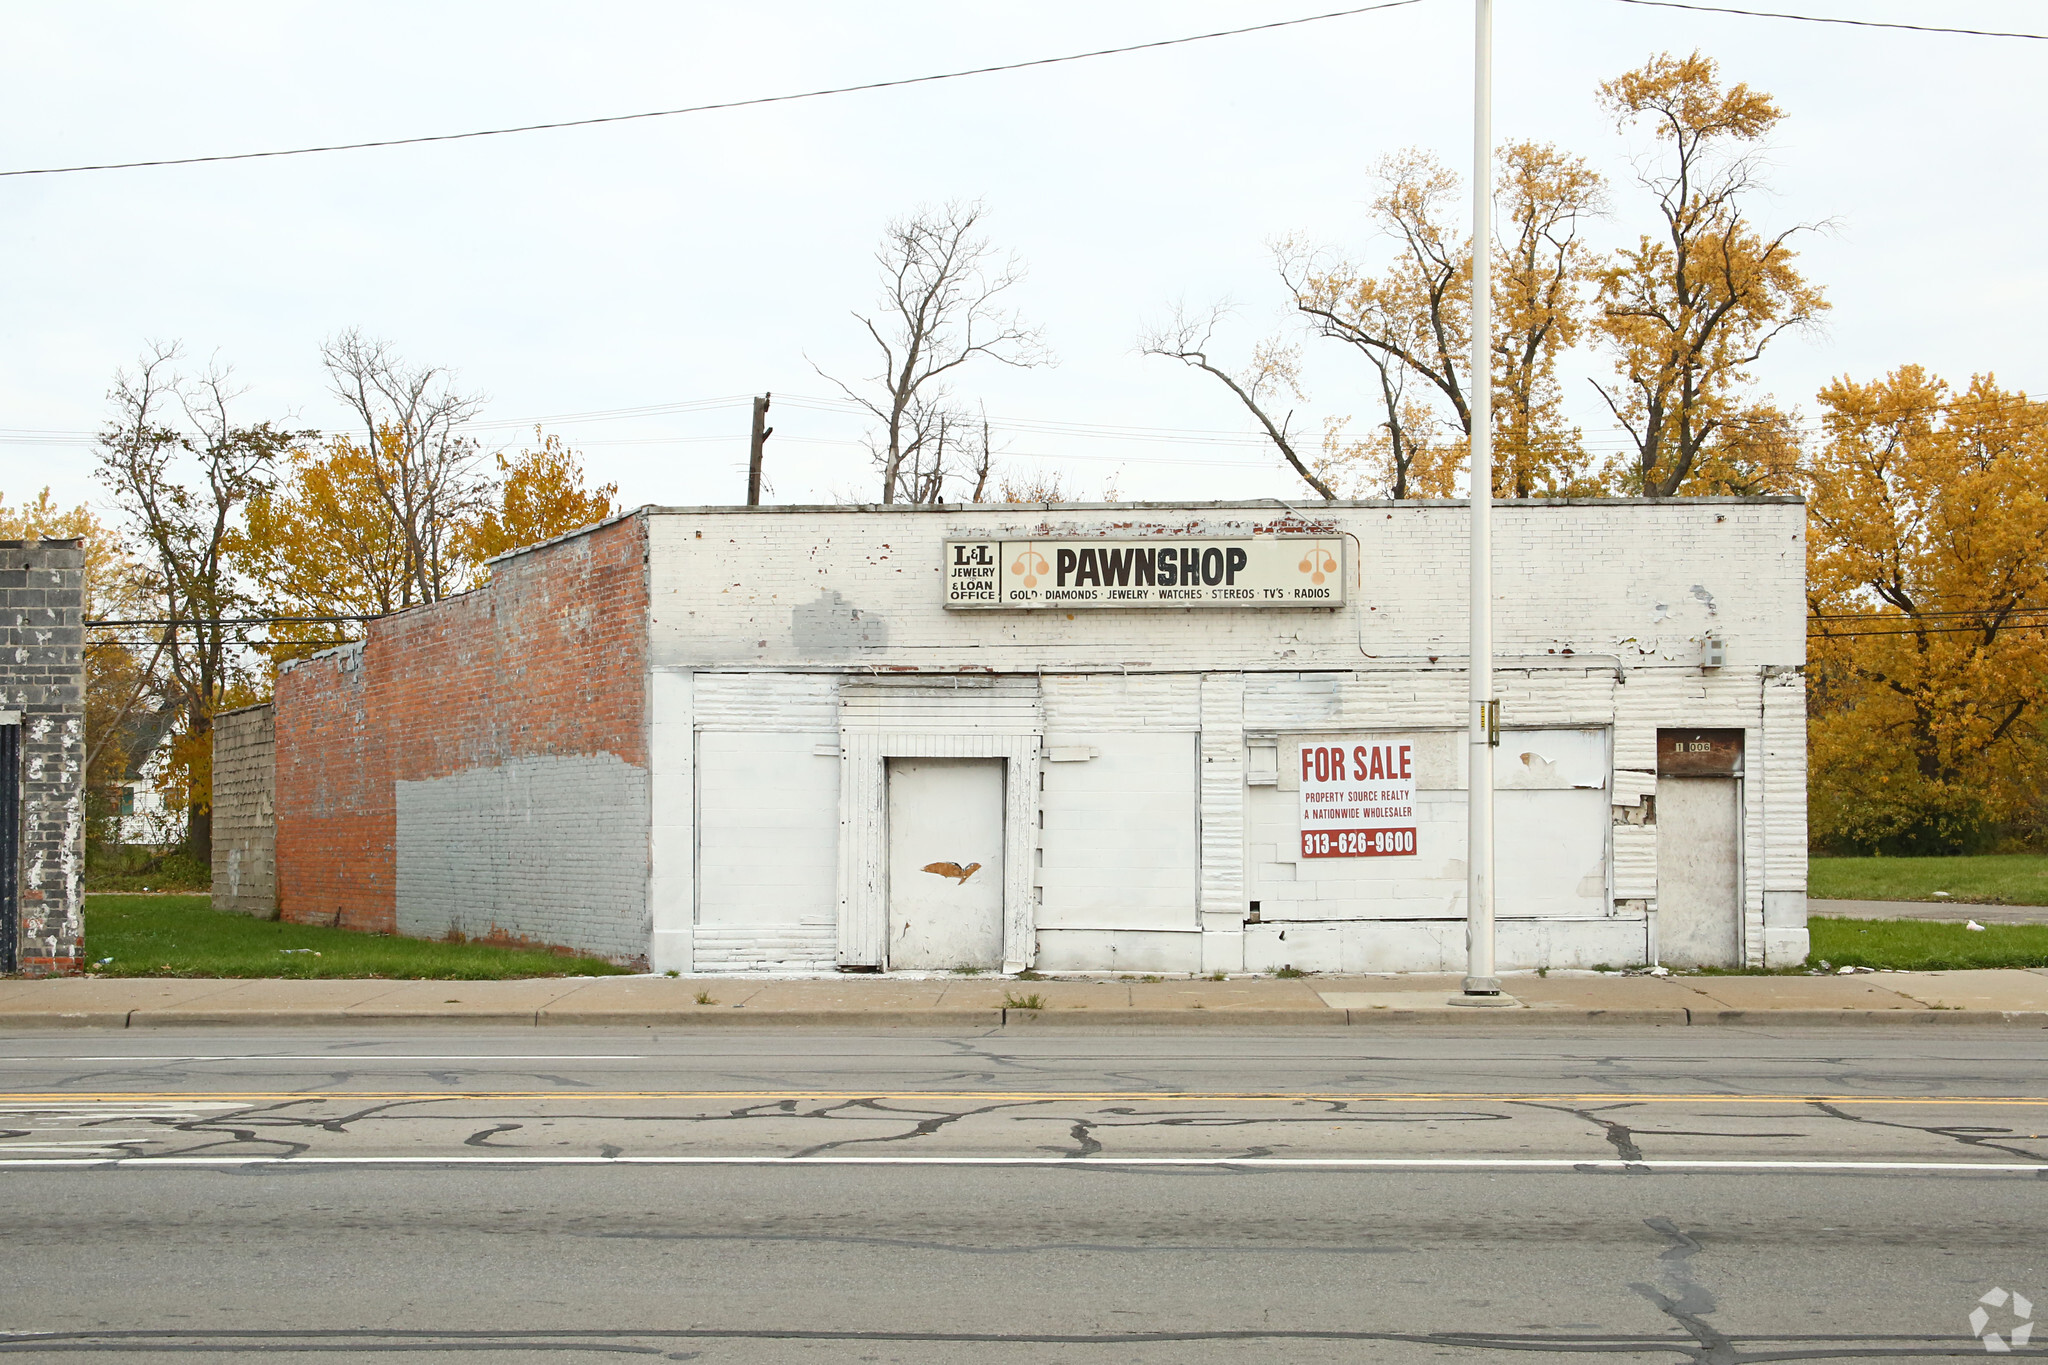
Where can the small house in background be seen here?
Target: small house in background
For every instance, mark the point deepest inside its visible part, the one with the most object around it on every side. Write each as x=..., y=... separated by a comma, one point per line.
x=1127, y=737
x=142, y=815
x=42, y=755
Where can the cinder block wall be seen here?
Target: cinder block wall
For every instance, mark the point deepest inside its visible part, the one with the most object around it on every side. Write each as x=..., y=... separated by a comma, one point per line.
x=42, y=689
x=244, y=811
x=479, y=766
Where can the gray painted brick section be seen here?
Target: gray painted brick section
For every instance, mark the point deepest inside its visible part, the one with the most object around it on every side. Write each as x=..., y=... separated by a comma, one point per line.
x=547, y=848
x=244, y=811
x=42, y=678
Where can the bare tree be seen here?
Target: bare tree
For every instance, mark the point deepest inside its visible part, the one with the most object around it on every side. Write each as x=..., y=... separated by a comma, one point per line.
x=163, y=424
x=941, y=306
x=425, y=472
x=980, y=457
x=949, y=454
x=1272, y=368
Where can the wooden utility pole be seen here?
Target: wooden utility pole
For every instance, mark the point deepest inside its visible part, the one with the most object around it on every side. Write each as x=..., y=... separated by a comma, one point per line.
x=762, y=431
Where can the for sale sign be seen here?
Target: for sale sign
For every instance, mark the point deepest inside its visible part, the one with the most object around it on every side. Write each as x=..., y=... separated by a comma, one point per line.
x=1358, y=799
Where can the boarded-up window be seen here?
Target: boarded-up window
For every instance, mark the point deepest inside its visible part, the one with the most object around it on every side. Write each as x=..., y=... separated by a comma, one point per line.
x=767, y=827
x=1550, y=823
x=1120, y=846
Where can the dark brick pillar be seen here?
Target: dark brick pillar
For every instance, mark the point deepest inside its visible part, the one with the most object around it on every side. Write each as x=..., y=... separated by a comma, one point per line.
x=42, y=699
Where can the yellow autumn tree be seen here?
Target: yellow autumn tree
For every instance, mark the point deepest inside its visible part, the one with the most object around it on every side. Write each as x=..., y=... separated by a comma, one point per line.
x=325, y=542
x=1688, y=309
x=1412, y=323
x=1541, y=267
x=1928, y=595
x=540, y=496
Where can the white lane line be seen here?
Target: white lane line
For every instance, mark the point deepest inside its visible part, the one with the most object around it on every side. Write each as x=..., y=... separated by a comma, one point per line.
x=364, y=1057
x=1050, y=1162
x=114, y=1108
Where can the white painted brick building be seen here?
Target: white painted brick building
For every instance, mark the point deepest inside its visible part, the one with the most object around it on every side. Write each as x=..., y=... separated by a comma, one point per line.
x=842, y=770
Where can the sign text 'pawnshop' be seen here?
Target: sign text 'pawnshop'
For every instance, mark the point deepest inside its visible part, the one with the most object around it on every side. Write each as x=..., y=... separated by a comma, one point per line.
x=1358, y=799
x=1269, y=571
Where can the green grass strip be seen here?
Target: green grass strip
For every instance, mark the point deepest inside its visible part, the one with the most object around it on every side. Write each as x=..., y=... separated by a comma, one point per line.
x=186, y=936
x=1925, y=946
x=1991, y=879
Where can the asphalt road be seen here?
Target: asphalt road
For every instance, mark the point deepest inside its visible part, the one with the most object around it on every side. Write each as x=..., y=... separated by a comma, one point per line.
x=1203, y=1196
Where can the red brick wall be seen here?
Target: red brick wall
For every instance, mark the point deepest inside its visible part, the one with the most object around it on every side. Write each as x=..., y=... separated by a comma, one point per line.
x=550, y=658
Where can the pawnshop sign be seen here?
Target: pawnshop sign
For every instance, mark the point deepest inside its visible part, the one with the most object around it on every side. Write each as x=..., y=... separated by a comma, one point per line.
x=1358, y=800
x=1271, y=571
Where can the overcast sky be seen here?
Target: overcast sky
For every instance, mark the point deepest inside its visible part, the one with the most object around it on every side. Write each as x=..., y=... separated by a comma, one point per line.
x=712, y=256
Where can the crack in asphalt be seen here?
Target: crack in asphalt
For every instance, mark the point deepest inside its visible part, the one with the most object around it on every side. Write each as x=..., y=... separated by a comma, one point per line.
x=1971, y=1135
x=924, y=1127
x=1692, y=1300
x=1618, y=1135
x=1084, y=1139
x=286, y=1126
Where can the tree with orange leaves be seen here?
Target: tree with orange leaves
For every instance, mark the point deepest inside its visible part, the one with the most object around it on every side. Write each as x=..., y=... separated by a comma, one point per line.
x=1412, y=323
x=1686, y=311
x=1928, y=592
x=325, y=542
x=540, y=496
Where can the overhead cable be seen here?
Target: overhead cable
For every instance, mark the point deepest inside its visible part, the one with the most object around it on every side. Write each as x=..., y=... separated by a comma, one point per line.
x=710, y=108
x=1828, y=19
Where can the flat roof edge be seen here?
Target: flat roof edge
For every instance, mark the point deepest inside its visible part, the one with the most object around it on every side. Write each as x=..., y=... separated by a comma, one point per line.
x=1300, y=507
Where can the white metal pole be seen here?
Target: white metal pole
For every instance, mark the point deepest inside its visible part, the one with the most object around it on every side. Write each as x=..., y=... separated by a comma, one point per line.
x=1480, y=979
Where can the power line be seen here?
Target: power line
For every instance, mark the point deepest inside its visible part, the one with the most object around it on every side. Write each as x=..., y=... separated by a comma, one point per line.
x=239, y=621
x=1823, y=19
x=1929, y=630
x=709, y=108
x=1930, y=615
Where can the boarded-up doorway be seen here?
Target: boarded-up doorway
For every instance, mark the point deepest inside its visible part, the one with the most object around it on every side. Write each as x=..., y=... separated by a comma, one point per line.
x=1699, y=842
x=945, y=863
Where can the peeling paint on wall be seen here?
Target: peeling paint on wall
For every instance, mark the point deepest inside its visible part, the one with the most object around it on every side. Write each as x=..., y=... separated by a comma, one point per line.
x=42, y=679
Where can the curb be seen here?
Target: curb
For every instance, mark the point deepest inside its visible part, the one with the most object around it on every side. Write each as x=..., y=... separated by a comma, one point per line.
x=1440, y=1016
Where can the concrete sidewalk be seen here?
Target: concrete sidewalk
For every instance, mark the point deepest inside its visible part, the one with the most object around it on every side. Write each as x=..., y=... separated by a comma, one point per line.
x=1969, y=997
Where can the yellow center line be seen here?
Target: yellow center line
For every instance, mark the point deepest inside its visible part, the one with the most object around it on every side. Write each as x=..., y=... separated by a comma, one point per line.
x=997, y=1096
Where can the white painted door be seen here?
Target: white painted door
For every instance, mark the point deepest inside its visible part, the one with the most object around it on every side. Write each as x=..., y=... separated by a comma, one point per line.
x=1699, y=902
x=945, y=863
